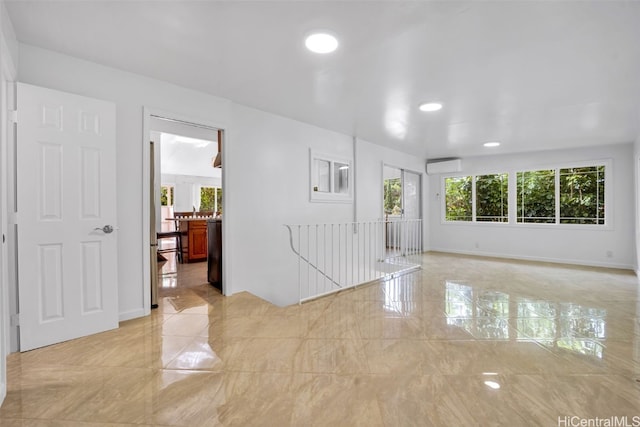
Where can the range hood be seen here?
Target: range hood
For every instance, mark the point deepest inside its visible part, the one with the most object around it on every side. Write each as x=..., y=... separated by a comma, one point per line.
x=217, y=161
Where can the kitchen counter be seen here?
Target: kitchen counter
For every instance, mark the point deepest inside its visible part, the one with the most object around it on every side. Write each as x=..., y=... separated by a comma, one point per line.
x=190, y=218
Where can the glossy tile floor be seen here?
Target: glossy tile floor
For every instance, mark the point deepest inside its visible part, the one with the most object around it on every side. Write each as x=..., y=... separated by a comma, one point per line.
x=467, y=341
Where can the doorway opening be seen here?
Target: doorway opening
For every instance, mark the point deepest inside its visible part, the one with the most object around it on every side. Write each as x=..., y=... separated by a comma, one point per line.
x=402, y=210
x=186, y=205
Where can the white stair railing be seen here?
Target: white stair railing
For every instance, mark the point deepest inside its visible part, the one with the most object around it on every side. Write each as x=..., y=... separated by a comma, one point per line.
x=336, y=256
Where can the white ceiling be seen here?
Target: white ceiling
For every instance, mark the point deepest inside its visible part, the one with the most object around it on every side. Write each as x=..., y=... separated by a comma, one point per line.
x=185, y=149
x=533, y=75
x=181, y=155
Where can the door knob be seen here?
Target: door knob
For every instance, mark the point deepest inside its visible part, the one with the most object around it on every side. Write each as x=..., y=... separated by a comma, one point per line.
x=107, y=229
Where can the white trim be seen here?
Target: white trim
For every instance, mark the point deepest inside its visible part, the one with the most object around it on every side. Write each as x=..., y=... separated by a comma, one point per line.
x=567, y=261
x=131, y=314
x=331, y=196
x=513, y=202
x=422, y=187
x=147, y=113
x=7, y=77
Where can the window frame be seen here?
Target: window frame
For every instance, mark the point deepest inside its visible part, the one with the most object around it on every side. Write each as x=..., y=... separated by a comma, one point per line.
x=171, y=194
x=216, y=207
x=609, y=186
x=330, y=196
x=608, y=197
x=443, y=198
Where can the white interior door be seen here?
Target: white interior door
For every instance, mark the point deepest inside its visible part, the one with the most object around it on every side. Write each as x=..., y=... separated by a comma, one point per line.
x=67, y=264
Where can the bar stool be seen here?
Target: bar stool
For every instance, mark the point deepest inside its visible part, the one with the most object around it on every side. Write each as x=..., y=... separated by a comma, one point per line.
x=177, y=235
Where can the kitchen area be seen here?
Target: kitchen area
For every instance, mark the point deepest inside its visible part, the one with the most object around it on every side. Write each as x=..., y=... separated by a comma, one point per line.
x=200, y=240
x=186, y=199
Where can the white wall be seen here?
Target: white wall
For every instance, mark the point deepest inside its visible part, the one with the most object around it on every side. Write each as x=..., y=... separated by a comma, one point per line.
x=130, y=92
x=266, y=186
x=577, y=245
x=266, y=166
x=8, y=37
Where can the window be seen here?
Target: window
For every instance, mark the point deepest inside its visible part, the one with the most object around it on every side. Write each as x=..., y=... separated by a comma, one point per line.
x=536, y=196
x=211, y=199
x=392, y=196
x=458, y=200
x=166, y=195
x=578, y=191
x=330, y=178
x=218, y=206
x=582, y=195
x=492, y=198
x=323, y=178
x=340, y=178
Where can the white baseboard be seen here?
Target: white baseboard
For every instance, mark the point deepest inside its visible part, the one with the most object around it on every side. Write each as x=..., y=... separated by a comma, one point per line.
x=132, y=314
x=538, y=259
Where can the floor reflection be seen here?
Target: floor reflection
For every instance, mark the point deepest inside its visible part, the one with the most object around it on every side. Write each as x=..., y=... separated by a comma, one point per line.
x=399, y=295
x=507, y=343
x=486, y=314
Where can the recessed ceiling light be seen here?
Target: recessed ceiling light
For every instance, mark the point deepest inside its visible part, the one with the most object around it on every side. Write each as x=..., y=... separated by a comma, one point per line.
x=430, y=106
x=491, y=144
x=321, y=43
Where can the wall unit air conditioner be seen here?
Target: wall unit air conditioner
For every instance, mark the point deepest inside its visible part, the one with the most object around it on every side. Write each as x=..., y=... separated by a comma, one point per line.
x=446, y=165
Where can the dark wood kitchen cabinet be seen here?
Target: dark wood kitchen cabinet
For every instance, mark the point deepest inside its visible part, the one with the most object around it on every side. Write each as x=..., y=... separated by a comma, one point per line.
x=194, y=239
x=197, y=241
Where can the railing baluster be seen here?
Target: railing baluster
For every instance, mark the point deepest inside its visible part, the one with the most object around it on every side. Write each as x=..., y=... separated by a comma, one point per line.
x=317, y=263
x=299, y=271
x=372, y=243
x=331, y=252
x=352, y=254
x=340, y=253
x=358, y=235
x=308, y=264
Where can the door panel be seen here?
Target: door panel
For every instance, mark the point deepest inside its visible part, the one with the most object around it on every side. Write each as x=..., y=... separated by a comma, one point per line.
x=67, y=265
x=411, y=195
x=411, y=203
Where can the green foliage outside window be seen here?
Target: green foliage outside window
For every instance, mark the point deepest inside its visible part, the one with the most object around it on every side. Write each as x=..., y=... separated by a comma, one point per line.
x=536, y=196
x=458, y=203
x=207, y=198
x=166, y=196
x=582, y=195
x=211, y=199
x=392, y=196
x=492, y=198
x=219, y=200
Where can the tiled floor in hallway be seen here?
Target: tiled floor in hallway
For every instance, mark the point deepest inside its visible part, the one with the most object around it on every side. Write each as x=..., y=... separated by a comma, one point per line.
x=466, y=341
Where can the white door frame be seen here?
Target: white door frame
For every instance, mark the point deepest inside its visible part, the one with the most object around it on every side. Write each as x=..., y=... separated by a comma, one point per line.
x=402, y=170
x=146, y=204
x=421, y=195
x=4, y=291
x=7, y=77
